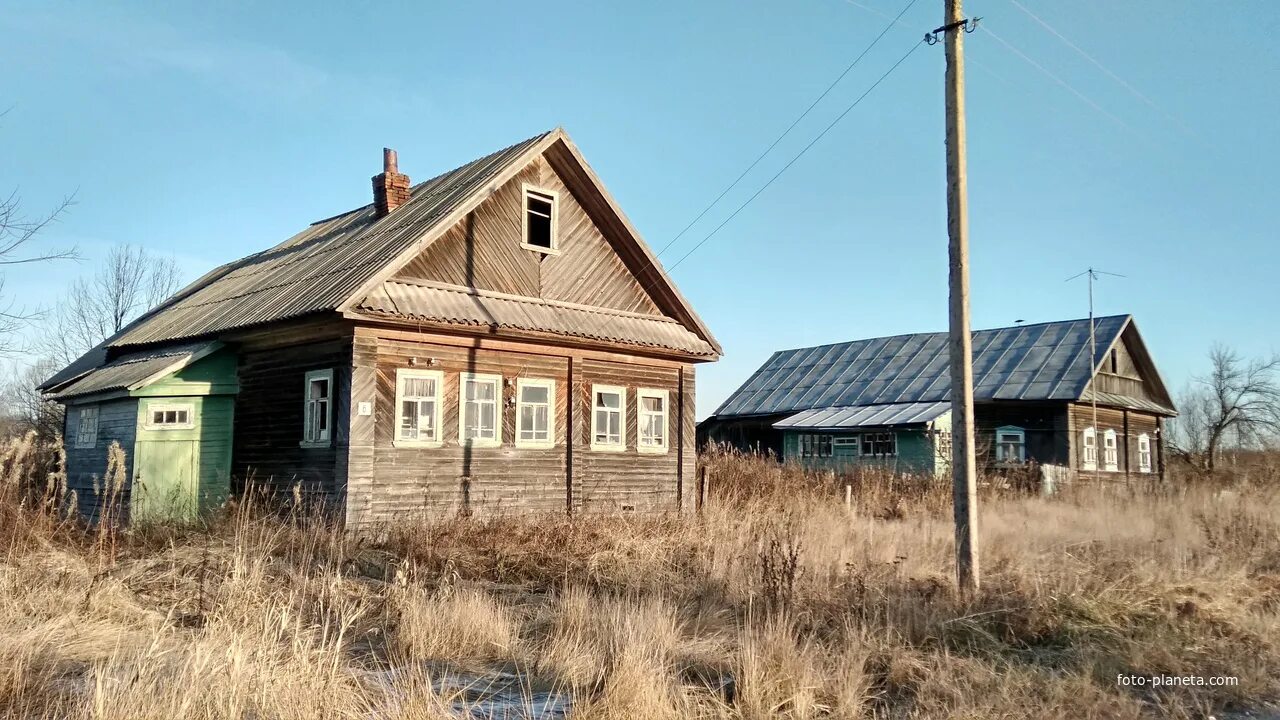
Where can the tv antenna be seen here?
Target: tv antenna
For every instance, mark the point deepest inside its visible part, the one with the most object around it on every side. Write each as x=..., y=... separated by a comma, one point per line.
x=1094, y=275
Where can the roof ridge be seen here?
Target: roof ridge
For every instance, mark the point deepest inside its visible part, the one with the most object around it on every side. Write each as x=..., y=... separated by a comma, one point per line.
x=944, y=332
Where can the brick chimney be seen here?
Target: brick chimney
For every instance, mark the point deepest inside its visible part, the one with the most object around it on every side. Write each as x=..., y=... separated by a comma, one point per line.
x=390, y=187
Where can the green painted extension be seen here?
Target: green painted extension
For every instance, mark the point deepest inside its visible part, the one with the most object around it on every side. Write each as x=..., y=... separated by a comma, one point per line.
x=182, y=451
x=917, y=451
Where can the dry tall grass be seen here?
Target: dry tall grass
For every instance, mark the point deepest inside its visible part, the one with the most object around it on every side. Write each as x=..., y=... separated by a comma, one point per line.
x=776, y=602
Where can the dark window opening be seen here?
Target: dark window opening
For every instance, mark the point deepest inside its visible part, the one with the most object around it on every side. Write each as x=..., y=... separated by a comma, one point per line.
x=1115, y=365
x=538, y=219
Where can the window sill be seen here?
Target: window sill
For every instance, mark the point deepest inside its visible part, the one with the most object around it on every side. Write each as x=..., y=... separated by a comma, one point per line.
x=474, y=444
x=608, y=448
x=535, y=444
x=652, y=450
x=314, y=445
x=416, y=443
x=163, y=428
x=540, y=249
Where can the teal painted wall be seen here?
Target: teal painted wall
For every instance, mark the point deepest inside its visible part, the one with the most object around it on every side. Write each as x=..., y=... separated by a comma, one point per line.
x=915, y=453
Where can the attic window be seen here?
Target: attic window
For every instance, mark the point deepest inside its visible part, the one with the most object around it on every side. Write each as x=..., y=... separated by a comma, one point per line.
x=540, y=216
x=1114, y=362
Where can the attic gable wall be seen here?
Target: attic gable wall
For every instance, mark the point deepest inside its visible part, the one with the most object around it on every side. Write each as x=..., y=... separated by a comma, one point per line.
x=1135, y=376
x=483, y=251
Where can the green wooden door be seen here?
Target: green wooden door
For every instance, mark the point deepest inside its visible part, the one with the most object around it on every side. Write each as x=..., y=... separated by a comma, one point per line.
x=165, y=486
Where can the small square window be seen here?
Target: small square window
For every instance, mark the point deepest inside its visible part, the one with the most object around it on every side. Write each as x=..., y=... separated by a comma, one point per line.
x=651, y=411
x=540, y=219
x=169, y=416
x=418, y=407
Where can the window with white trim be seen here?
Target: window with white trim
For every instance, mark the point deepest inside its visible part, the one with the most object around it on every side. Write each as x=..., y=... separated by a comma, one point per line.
x=608, y=431
x=479, y=417
x=418, y=407
x=815, y=445
x=651, y=416
x=1089, y=449
x=87, y=426
x=879, y=444
x=1144, y=453
x=169, y=416
x=1011, y=444
x=1110, y=451
x=317, y=420
x=535, y=412
x=540, y=217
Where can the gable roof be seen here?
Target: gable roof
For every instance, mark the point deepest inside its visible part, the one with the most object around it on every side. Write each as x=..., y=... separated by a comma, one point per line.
x=335, y=263
x=1047, y=361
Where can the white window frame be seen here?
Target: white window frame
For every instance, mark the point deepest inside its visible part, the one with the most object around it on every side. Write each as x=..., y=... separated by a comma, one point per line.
x=869, y=438
x=550, y=385
x=324, y=437
x=816, y=445
x=1089, y=449
x=664, y=396
x=525, y=190
x=148, y=423
x=92, y=411
x=621, y=445
x=1021, y=445
x=1144, y=453
x=1110, y=451
x=496, y=381
x=403, y=374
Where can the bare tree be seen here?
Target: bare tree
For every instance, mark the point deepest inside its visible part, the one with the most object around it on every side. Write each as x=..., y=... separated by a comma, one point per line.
x=27, y=408
x=1237, y=404
x=130, y=282
x=17, y=231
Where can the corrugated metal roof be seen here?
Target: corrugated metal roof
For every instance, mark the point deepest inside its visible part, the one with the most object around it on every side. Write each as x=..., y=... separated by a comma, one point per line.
x=457, y=305
x=321, y=268
x=1124, y=401
x=1048, y=361
x=862, y=416
x=129, y=370
x=317, y=269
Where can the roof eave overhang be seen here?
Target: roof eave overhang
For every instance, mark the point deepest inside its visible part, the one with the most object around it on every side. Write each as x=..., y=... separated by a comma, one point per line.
x=402, y=322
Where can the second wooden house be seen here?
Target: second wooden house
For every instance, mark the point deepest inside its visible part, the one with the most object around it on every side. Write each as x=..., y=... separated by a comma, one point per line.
x=1041, y=397
x=497, y=337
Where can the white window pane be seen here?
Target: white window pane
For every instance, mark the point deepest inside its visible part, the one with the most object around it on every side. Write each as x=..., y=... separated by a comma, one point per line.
x=534, y=394
x=651, y=404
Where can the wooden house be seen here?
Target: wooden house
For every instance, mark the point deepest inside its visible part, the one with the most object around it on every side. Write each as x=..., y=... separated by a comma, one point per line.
x=1039, y=398
x=499, y=336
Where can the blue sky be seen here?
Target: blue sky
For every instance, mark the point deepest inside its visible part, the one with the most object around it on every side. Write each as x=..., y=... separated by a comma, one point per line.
x=207, y=133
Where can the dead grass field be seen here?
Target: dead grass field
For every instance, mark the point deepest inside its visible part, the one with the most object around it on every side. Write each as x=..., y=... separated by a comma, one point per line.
x=776, y=602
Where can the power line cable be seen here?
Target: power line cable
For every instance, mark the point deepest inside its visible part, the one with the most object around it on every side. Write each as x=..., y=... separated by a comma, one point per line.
x=798, y=155
x=1121, y=81
x=790, y=127
x=1065, y=85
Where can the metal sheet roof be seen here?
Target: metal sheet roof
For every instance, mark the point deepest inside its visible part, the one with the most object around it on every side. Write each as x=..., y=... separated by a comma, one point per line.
x=862, y=416
x=320, y=267
x=129, y=370
x=1048, y=361
x=323, y=267
x=1124, y=401
x=457, y=305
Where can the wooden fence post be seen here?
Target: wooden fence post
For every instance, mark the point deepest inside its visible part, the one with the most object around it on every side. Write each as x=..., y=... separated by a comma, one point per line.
x=702, y=487
x=848, y=497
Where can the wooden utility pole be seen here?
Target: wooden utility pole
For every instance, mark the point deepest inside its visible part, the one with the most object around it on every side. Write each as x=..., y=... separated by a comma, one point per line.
x=963, y=466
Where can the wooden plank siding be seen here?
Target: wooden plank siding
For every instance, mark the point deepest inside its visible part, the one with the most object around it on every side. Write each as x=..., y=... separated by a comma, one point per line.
x=86, y=467
x=1128, y=424
x=483, y=251
x=267, y=451
x=386, y=482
